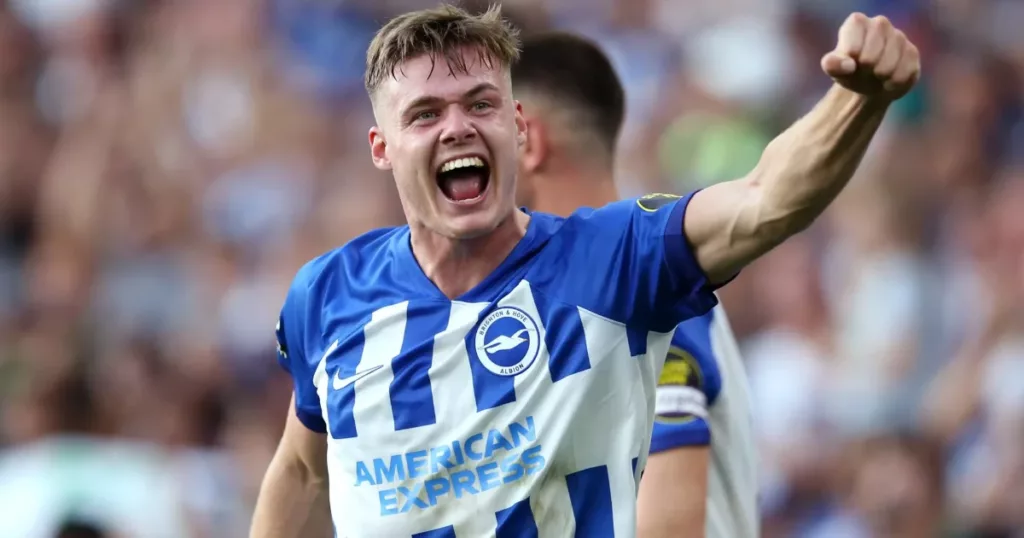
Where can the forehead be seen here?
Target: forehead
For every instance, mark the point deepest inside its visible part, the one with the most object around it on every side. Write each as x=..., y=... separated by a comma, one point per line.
x=426, y=77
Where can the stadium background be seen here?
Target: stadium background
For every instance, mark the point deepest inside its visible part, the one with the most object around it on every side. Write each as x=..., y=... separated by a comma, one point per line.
x=166, y=166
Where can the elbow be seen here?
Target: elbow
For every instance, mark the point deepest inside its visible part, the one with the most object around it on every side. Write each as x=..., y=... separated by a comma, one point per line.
x=296, y=469
x=313, y=477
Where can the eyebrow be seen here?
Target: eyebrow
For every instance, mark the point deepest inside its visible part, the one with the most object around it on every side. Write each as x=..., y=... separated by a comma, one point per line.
x=430, y=99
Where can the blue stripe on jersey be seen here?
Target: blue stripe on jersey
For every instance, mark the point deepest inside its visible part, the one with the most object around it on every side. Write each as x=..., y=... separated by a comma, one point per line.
x=516, y=521
x=342, y=402
x=443, y=532
x=489, y=389
x=696, y=432
x=412, y=402
x=590, y=493
x=567, y=346
x=637, y=339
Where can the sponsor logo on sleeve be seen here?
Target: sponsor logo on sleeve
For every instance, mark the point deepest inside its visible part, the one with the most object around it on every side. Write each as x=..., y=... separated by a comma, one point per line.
x=680, y=396
x=655, y=201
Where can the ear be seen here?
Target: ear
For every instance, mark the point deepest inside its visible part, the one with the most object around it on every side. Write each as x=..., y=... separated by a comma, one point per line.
x=378, y=149
x=535, y=149
x=521, y=125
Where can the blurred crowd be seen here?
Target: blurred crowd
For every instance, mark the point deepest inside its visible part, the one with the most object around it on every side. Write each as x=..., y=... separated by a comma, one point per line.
x=167, y=165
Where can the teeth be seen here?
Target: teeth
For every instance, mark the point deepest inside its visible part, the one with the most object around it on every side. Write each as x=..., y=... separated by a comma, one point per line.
x=465, y=162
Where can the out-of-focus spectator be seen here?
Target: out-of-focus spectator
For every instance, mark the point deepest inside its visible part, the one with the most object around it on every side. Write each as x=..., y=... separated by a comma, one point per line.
x=890, y=487
x=166, y=167
x=80, y=529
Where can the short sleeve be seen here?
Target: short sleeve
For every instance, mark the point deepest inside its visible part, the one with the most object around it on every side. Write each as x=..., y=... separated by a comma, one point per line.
x=694, y=432
x=636, y=253
x=688, y=384
x=291, y=329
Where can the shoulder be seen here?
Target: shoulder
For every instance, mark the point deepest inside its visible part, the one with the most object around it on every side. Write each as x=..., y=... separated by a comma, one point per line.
x=354, y=260
x=333, y=284
x=629, y=208
x=617, y=217
x=597, y=218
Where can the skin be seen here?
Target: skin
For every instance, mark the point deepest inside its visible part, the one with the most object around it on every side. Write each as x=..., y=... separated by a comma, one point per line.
x=561, y=170
x=293, y=499
x=426, y=116
x=728, y=225
x=735, y=222
x=803, y=169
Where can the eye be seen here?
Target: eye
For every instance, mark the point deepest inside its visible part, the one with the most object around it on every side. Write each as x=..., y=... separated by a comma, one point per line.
x=425, y=115
x=480, y=106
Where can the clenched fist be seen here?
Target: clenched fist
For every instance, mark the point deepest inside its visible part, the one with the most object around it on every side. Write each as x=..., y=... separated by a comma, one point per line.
x=873, y=58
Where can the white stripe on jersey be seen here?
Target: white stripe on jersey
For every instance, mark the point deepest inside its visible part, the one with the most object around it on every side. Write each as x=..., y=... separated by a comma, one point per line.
x=451, y=365
x=600, y=339
x=384, y=336
x=599, y=416
x=732, y=481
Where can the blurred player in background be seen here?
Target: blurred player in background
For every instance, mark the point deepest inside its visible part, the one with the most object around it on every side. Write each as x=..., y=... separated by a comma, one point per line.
x=573, y=104
x=440, y=386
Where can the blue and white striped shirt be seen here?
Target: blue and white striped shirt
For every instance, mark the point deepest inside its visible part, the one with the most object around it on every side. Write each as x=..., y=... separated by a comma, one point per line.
x=521, y=408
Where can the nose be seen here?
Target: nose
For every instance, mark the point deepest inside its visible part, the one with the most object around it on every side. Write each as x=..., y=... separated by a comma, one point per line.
x=457, y=129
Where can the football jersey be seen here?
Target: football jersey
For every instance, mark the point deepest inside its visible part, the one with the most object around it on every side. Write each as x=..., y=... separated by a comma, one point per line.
x=523, y=407
x=703, y=399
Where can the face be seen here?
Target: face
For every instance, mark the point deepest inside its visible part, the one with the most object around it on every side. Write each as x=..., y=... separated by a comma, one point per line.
x=451, y=142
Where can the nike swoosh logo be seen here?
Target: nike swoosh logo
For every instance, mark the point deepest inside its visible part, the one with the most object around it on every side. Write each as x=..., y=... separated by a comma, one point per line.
x=340, y=383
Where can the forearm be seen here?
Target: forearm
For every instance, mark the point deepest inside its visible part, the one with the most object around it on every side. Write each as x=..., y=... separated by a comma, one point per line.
x=806, y=167
x=288, y=503
x=800, y=172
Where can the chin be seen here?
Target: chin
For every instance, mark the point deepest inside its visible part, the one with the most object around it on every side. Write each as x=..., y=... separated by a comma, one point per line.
x=471, y=225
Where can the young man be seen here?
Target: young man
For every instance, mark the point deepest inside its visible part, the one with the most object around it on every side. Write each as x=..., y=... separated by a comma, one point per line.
x=573, y=104
x=441, y=388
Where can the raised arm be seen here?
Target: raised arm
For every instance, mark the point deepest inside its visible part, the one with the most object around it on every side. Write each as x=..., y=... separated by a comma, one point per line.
x=804, y=169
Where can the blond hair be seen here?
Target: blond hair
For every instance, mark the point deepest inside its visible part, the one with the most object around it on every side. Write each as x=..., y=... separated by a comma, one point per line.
x=440, y=33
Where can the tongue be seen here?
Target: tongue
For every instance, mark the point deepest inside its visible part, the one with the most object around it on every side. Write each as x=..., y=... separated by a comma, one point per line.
x=464, y=188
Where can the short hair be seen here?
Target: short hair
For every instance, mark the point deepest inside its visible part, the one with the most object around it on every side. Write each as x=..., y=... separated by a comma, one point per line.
x=573, y=71
x=440, y=32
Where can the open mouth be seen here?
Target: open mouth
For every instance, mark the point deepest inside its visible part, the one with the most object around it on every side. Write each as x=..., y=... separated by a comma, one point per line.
x=464, y=179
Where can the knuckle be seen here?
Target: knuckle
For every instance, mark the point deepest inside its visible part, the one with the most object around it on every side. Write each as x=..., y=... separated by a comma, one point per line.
x=882, y=22
x=858, y=18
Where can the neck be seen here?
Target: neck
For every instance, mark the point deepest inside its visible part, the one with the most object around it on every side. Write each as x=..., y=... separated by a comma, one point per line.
x=456, y=266
x=567, y=189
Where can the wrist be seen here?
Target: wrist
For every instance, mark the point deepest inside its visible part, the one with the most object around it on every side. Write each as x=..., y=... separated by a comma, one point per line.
x=879, y=102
